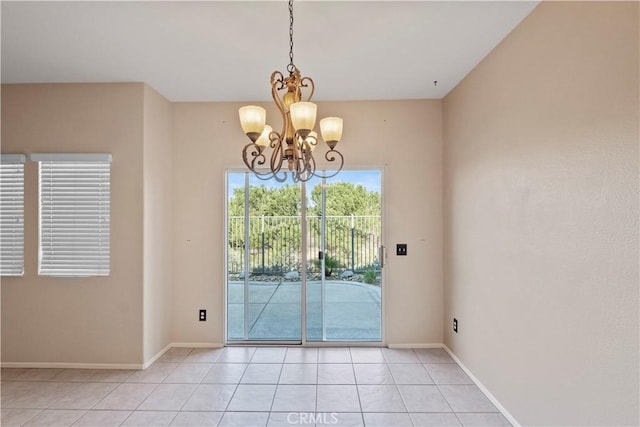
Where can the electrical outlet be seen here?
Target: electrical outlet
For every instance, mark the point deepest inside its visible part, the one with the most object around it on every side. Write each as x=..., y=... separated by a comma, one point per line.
x=455, y=325
x=401, y=249
x=203, y=315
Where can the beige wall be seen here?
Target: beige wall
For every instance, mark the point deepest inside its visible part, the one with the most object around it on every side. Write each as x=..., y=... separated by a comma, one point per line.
x=80, y=320
x=403, y=137
x=158, y=221
x=541, y=208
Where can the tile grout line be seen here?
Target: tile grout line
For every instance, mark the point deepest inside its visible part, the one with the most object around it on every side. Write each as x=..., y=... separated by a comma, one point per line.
x=275, y=392
x=154, y=389
x=396, y=385
x=36, y=414
x=448, y=404
x=236, y=387
x=143, y=400
x=355, y=381
x=195, y=388
x=315, y=408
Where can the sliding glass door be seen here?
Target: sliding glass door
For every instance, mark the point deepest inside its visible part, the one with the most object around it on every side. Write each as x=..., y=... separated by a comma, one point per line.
x=304, y=252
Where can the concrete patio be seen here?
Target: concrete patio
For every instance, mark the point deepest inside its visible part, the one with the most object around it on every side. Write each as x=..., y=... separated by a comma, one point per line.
x=352, y=311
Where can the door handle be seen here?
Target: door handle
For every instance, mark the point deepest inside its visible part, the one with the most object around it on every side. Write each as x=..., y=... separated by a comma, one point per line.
x=381, y=256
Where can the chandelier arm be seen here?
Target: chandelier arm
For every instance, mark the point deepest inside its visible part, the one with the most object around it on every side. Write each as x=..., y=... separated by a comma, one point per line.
x=282, y=178
x=332, y=156
x=310, y=169
x=312, y=166
x=299, y=166
x=305, y=150
x=305, y=162
x=257, y=162
x=253, y=152
x=278, y=101
x=263, y=176
x=310, y=84
x=267, y=176
x=277, y=81
x=276, y=156
x=311, y=142
x=296, y=147
x=274, y=137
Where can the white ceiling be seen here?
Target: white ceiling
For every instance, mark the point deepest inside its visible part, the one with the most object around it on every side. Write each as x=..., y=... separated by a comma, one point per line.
x=226, y=50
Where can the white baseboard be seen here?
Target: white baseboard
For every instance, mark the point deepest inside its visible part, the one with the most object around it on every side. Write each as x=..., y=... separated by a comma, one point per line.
x=198, y=344
x=157, y=356
x=424, y=345
x=144, y=365
x=72, y=365
x=490, y=396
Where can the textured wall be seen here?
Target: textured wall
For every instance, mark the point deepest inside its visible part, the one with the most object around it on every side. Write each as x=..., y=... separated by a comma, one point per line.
x=541, y=216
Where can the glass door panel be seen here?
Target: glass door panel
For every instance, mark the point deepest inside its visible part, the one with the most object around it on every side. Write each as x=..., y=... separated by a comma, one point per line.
x=267, y=291
x=344, y=226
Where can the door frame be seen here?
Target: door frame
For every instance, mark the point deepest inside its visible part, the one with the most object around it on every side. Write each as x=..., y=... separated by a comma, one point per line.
x=303, y=335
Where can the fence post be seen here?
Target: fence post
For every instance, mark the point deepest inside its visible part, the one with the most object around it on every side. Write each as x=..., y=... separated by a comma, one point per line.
x=353, y=247
x=262, y=243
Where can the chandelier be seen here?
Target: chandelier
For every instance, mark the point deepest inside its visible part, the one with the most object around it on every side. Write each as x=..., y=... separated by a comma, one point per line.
x=294, y=145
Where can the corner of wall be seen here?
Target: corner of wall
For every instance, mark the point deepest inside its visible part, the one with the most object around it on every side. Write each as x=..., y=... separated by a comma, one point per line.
x=158, y=223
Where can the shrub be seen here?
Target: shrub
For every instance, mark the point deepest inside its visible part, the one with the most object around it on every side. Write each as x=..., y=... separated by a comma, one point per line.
x=330, y=264
x=370, y=277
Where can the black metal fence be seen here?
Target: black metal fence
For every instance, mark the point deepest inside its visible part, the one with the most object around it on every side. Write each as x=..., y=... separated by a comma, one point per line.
x=275, y=243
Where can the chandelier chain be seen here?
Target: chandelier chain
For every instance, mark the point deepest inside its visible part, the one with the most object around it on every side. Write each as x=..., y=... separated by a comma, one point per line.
x=291, y=68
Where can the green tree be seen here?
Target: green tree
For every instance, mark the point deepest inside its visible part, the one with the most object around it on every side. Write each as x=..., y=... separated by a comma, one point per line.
x=344, y=199
x=276, y=210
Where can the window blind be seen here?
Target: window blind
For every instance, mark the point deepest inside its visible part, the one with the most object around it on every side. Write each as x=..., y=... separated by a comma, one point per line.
x=74, y=215
x=12, y=214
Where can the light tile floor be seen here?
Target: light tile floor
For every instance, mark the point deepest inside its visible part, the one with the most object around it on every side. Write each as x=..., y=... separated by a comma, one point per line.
x=248, y=386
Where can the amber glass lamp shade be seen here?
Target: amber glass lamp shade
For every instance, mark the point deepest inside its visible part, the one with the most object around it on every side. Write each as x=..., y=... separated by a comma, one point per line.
x=303, y=117
x=252, y=120
x=331, y=129
x=263, y=140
